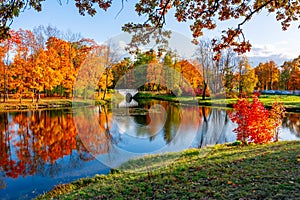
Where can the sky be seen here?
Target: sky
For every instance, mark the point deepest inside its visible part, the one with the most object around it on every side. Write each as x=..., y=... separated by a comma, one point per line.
x=268, y=41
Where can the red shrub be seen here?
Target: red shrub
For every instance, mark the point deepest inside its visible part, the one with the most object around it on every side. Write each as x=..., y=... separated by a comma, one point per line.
x=255, y=123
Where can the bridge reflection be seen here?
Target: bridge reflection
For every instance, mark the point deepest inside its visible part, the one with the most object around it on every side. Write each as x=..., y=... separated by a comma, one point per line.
x=128, y=97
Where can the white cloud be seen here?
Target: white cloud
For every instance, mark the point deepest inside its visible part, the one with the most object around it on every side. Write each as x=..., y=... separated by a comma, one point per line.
x=279, y=52
x=270, y=50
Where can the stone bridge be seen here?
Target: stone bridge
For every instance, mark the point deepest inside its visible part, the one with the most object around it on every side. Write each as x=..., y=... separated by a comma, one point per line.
x=125, y=92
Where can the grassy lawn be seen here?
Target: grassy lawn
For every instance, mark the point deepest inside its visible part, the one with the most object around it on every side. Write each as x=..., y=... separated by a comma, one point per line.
x=221, y=172
x=291, y=102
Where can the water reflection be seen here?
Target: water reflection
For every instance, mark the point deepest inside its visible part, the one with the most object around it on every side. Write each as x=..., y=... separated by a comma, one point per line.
x=39, y=144
x=59, y=144
x=292, y=122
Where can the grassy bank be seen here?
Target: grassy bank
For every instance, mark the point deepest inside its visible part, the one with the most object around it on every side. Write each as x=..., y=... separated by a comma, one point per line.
x=291, y=102
x=220, y=172
x=46, y=103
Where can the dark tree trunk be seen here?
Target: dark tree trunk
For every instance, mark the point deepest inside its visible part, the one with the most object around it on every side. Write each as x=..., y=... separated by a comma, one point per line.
x=204, y=91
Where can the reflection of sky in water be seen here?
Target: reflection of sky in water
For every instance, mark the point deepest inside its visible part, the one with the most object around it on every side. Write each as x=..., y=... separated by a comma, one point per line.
x=63, y=171
x=285, y=134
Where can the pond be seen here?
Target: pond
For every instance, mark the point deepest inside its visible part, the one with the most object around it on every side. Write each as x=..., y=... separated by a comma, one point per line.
x=40, y=149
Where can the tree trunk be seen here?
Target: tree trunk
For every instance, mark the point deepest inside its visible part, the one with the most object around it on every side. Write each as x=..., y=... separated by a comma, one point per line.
x=104, y=93
x=204, y=91
x=6, y=96
x=38, y=97
x=61, y=95
x=32, y=97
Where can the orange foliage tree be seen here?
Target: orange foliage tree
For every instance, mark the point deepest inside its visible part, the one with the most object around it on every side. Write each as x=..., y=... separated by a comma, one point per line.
x=268, y=74
x=256, y=123
x=192, y=75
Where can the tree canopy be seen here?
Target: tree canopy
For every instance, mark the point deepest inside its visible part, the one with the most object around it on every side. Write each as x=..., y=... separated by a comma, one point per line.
x=202, y=15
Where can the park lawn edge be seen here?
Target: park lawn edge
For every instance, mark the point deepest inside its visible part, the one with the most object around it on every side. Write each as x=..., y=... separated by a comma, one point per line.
x=228, y=171
x=290, y=102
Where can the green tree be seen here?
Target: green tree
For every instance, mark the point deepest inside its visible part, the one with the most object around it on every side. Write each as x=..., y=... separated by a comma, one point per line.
x=120, y=69
x=247, y=78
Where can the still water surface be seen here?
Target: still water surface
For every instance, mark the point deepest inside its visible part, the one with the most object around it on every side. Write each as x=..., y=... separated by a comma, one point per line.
x=40, y=149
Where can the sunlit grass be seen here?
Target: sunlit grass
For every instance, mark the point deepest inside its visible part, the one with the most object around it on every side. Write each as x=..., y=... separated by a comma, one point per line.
x=289, y=101
x=269, y=171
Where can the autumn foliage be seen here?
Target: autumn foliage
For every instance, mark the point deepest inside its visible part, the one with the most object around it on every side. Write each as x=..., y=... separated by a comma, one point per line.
x=255, y=123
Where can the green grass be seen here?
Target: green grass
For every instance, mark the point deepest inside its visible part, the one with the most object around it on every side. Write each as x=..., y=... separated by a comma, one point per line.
x=269, y=171
x=291, y=102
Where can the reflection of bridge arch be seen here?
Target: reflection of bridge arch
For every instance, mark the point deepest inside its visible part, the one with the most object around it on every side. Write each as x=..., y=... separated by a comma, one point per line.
x=128, y=94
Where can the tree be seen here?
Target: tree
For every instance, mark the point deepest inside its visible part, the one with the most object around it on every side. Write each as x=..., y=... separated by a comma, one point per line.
x=67, y=69
x=290, y=75
x=155, y=74
x=246, y=77
x=255, y=123
x=285, y=75
x=105, y=81
x=268, y=75
x=120, y=69
x=192, y=75
x=7, y=47
x=203, y=15
x=205, y=58
x=109, y=57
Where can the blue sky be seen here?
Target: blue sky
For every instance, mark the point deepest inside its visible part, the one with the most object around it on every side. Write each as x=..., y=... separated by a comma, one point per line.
x=268, y=40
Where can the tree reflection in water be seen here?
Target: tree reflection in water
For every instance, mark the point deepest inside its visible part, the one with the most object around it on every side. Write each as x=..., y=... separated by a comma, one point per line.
x=48, y=142
x=292, y=122
x=34, y=142
x=216, y=128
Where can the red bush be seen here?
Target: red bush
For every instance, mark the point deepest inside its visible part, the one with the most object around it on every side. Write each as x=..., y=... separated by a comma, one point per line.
x=255, y=123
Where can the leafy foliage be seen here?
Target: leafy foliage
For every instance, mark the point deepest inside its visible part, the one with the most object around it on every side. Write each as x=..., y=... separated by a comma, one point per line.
x=202, y=15
x=255, y=123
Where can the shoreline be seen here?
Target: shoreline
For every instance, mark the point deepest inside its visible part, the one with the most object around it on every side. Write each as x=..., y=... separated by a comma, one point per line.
x=219, y=103
x=58, y=103
x=55, y=103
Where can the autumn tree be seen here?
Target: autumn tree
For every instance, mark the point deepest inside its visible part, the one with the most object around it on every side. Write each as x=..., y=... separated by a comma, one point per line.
x=268, y=75
x=203, y=15
x=192, y=75
x=67, y=69
x=7, y=49
x=256, y=123
x=155, y=74
x=290, y=75
x=105, y=81
x=120, y=69
x=109, y=57
x=246, y=77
